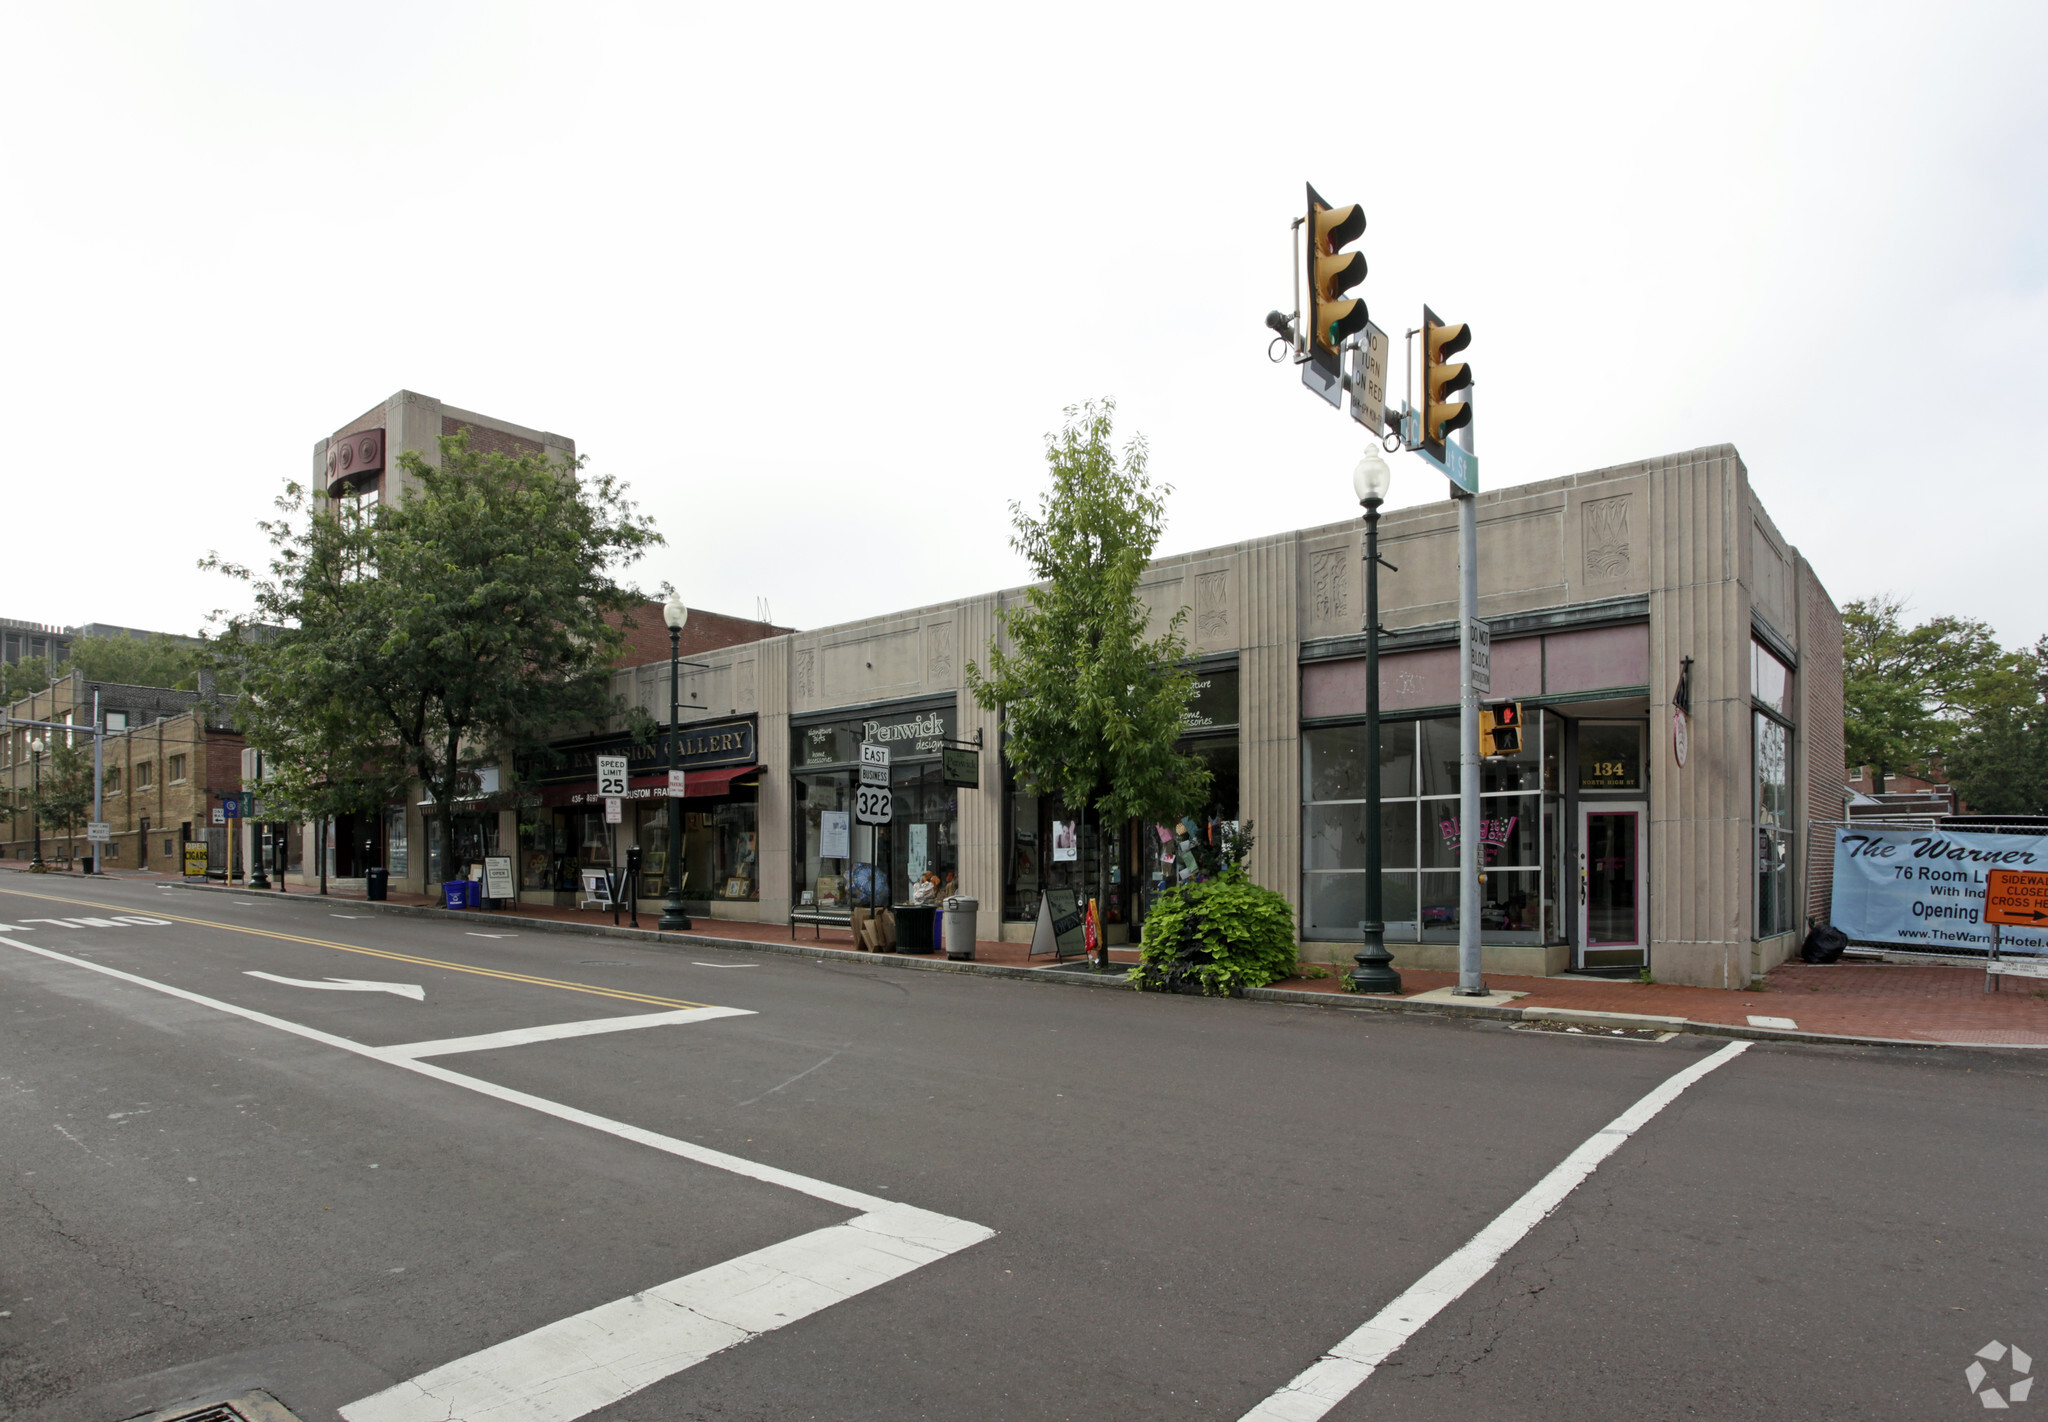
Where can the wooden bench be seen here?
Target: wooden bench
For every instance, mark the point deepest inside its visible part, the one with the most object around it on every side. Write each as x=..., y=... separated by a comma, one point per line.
x=820, y=919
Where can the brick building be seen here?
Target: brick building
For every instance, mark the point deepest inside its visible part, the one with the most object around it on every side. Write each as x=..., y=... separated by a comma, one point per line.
x=166, y=761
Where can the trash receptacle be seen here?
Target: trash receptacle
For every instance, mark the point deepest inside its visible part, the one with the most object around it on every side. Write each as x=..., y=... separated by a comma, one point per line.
x=455, y=893
x=377, y=885
x=959, y=925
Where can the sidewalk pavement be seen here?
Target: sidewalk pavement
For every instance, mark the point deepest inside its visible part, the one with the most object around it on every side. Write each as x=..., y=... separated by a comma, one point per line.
x=1913, y=1003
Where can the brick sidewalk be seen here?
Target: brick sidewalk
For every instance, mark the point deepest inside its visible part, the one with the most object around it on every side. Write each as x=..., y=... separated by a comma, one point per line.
x=1905, y=1002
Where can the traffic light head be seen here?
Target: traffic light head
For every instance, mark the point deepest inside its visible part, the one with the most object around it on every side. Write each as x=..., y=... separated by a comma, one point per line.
x=1331, y=272
x=1500, y=729
x=1441, y=377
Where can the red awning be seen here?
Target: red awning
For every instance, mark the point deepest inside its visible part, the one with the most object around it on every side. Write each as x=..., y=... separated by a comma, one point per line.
x=697, y=785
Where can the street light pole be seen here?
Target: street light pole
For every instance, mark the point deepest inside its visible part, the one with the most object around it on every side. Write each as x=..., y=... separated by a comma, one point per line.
x=35, y=771
x=1375, y=970
x=673, y=918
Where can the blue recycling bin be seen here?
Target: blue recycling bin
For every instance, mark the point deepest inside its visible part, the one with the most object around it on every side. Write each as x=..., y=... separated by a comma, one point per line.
x=456, y=893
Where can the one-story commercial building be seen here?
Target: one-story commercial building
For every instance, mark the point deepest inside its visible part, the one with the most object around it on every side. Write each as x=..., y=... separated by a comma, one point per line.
x=1605, y=848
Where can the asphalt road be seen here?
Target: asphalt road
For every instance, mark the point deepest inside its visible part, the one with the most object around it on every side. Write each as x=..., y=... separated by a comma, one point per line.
x=1111, y=1205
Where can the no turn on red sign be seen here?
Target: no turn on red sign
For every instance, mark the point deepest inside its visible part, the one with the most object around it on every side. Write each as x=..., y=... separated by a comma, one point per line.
x=2016, y=897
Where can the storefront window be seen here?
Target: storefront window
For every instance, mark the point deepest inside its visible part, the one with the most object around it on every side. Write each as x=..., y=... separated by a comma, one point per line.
x=1610, y=755
x=1420, y=833
x=840, y=863
x=721, y=848
x=824, y=837
x=396, y=858
x=1774, y=908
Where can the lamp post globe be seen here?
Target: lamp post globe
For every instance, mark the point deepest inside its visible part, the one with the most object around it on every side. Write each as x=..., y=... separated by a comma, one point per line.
x=673, y=917
x=1370, y=481
x=35, y=766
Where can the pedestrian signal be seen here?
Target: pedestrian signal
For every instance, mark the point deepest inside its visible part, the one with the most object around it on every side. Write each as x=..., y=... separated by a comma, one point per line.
x=1500, y=729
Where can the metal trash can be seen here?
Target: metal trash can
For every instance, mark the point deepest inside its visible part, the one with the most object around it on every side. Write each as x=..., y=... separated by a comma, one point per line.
x=958, y=923
x=377, y=885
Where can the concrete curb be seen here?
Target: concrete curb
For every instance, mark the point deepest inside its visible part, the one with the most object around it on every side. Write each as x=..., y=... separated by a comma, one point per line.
x=1341, y=1002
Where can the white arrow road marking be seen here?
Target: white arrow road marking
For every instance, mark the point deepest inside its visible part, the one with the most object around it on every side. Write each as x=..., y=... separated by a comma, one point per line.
x=567, y=1369
x=1324, y=1384
x=411, y=990
x=520, y=1036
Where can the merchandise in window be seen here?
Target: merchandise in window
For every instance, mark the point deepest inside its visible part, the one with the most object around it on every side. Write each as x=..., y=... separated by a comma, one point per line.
x=1775, y=911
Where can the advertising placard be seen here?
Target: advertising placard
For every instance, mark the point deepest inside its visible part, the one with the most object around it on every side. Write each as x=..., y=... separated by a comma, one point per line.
x=195, y=859
x=834, y=835
x=1924, y=888
x=498, y=877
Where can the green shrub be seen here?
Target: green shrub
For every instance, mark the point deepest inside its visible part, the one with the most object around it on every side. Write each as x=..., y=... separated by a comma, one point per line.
x=1220, y=935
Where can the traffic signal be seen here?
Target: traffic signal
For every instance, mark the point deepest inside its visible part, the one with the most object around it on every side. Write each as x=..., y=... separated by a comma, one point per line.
x=1440, y=377
x=1331, y=272
x=1500, y=729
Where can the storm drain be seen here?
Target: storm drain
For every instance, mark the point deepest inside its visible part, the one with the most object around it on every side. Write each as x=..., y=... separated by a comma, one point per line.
x=258, y=1406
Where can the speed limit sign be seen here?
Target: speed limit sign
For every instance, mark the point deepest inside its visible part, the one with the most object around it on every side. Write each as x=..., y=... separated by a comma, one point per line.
x=611, y=775
x=871, y=805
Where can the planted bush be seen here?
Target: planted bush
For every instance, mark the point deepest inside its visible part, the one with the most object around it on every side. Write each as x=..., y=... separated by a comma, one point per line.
x=1219, y=936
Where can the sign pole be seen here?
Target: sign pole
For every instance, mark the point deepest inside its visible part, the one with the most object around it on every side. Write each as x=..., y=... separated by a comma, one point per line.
x=1471, y=982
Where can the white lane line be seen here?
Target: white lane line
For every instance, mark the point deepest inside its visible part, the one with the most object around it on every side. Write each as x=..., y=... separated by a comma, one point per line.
x=411, y=990
x=573, y=1367
x=1338, y=1373
x=520, y=1036
x=545, y=1376
x=695, y=964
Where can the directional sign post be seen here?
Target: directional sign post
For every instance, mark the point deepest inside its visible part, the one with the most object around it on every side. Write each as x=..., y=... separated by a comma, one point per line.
x=2017, y=898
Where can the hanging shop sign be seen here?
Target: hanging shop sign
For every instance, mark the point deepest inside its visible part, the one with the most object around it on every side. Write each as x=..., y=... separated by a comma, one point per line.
x=962, y=767
x=1924, y=888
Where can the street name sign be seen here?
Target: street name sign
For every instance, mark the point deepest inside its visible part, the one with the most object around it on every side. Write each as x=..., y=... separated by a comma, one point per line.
x=611, y=775
x=1461, y=467
x=2016, y=897
x=1482, y=655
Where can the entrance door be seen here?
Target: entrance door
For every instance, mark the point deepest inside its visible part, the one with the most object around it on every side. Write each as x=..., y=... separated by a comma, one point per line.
x=1613, y=927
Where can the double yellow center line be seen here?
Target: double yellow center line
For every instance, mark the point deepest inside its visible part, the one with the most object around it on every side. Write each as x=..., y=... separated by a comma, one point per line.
x=370, y=952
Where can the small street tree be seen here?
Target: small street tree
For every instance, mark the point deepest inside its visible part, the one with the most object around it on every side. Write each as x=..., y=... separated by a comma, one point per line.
x=1913, y=694
x=1091, y=706
x=62, y=793
x=454, y=628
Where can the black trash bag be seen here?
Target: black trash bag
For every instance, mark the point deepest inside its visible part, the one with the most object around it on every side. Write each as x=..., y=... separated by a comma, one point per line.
x=1824, y=944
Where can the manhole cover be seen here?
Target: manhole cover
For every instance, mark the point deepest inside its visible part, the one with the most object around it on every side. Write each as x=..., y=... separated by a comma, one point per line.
x=256, y=1406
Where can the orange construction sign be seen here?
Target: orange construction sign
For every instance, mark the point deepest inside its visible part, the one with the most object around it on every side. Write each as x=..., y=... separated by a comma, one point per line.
x=2016, y=897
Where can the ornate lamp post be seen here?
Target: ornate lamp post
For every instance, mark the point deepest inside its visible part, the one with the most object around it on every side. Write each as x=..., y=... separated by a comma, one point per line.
x=673, y=918
x=1375, y=971
x=35, y=770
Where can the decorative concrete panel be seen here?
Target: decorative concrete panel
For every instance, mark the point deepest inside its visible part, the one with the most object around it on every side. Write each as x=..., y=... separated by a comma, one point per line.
x=876, y=664
x=1599, y=659
x=941, y=655
x=1214, y=624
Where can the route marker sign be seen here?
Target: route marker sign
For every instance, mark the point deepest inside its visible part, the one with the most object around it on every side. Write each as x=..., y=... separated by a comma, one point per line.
x=2016, y=897
x=611, y=775
x=874, y=764
x=871, y=805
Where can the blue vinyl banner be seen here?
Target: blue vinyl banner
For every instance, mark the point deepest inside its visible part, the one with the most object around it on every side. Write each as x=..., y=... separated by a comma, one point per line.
x=1924, y=888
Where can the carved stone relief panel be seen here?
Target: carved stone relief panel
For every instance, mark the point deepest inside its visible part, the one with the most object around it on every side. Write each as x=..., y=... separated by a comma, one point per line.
x=938, y=654
x=803, y=676
x=1212, y=607
x=1329, y=573
x=743, y=686
x=1606, y=538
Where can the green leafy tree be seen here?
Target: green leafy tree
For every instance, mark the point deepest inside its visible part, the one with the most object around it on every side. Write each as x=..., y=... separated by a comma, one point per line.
x=455, y=628
x=139, y=661
x=62, y=791
x=1091, y=705
x=22, y=679
x=1910, y=692
x=1999, y=762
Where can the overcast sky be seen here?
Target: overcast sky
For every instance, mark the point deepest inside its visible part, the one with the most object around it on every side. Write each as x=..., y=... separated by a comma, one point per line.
x=816, y=281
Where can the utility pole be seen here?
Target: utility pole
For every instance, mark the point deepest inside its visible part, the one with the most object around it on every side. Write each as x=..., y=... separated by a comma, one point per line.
x=99, y=736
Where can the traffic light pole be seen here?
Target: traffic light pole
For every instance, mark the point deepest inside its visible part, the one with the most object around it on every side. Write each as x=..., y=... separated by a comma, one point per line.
x=1471, y=982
